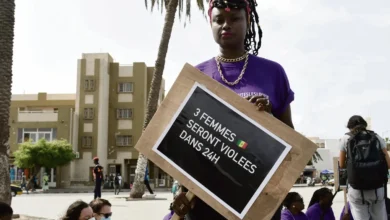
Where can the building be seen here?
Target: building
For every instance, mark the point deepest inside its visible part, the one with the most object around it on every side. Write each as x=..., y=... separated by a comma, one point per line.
x=327, y=148
x=103, y=118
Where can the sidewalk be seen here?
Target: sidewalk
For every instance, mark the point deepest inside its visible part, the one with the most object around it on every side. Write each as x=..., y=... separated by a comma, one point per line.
x=90, y=190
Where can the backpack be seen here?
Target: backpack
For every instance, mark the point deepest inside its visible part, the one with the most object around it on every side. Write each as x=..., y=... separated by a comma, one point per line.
x=366, y=163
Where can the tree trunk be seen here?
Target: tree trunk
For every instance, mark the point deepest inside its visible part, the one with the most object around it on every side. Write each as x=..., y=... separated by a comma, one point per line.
x=138, y=188
x=7, y=21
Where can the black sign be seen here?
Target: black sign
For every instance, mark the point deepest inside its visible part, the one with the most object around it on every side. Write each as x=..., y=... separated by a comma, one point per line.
x=227, y=154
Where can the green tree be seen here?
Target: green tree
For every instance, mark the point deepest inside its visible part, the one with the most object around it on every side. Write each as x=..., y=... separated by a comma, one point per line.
x=7, y=22
x=171, y=7
x=48, y=154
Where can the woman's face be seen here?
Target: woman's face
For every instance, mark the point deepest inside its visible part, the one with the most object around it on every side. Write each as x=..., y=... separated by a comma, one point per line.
x=105, y=213
x=327, y=200
x=229, y=28
x=86, y=214
x=298, y=203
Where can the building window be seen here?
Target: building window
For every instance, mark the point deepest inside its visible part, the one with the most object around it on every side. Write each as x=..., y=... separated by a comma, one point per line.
x=87, y=141
x=89, y=85
x=125, y=87
x=35, y=134
x=88, y=113
x=124, y=140
x=125, y=113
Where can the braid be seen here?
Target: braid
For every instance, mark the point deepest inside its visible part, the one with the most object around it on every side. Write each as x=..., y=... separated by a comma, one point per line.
x=252, y=41
x=250, y=38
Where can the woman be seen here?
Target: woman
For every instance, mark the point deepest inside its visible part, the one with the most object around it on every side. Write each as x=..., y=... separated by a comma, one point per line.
x=320, y=207
x=236, y=29
x=79, y=210
x=294, y=205
x=370, y=203
x=101, y=209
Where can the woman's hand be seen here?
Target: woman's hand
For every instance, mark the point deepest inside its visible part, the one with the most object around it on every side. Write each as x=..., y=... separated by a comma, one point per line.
x=345, y=216
x=181, y=206
x=261, y=102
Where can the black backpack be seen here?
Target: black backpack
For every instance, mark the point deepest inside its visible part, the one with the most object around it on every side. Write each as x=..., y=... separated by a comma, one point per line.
x=366, y=162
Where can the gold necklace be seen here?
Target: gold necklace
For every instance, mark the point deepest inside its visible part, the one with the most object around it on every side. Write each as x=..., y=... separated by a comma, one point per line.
x=238, y=59
x=246, y=56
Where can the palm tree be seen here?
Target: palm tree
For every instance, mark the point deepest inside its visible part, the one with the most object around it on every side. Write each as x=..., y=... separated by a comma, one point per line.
x=316, y=157
x=171, y=7
x=7, y=22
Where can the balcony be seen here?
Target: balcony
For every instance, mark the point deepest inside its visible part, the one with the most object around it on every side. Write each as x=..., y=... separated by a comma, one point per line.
x=38, y=116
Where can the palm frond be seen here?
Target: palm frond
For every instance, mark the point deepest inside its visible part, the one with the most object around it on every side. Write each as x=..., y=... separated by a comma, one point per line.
x=316, y=157
x=184, y=7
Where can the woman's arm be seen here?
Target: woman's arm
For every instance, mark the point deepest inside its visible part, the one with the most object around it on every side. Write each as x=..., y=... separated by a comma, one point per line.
x=343, y=157
x=285, y=117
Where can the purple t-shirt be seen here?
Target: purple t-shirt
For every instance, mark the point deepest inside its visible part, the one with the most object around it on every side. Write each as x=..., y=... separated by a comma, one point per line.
x=287, y=215
x=314, y=212
x=169, y=216
x=262, y=77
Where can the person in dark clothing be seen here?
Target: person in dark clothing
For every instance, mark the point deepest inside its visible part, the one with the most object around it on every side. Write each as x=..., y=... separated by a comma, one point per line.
x=146, y=181
x=98, y=178
x=6, y=211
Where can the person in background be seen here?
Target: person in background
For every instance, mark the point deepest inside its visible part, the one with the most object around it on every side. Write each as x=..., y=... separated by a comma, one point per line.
x=264, y=83
x=98, y=178
x=294, y=205
x=6, y=211
x=78, y=210
x=320, y=206
x=175, y=188
x=101, y=209
x=367, y=167
x=117, y=182
x=146, y=181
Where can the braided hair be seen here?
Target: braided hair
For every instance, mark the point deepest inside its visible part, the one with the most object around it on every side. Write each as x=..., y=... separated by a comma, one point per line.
x=252, y=39
x=290, y=199
x=318, y=194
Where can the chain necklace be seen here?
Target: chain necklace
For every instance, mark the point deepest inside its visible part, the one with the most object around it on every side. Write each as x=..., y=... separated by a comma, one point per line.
x=219, y=58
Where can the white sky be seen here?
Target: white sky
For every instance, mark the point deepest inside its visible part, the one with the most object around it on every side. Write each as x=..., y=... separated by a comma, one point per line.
x=336, y=53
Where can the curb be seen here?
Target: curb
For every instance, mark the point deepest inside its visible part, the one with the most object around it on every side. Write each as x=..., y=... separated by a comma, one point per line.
x=27, y=217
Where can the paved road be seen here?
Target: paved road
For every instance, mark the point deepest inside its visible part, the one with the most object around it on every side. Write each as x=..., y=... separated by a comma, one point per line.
x=52, y=206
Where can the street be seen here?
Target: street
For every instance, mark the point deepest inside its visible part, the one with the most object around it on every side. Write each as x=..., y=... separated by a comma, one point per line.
x=53, y=206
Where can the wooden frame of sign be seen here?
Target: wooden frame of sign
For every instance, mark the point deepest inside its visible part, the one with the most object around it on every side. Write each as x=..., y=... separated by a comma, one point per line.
x=336, y=173
x=336, y=170
x=240, y=161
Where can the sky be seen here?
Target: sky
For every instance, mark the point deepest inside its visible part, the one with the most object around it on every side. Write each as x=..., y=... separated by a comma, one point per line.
x=335, y=53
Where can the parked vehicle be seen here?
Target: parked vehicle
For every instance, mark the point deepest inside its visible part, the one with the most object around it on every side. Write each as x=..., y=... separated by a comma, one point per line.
x=16, y=190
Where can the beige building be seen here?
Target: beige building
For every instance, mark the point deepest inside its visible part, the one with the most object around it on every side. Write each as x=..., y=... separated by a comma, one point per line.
x=104, y=118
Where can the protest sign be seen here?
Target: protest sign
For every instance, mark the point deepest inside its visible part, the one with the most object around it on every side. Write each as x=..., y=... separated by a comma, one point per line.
x=340, y=175
x=238, y=160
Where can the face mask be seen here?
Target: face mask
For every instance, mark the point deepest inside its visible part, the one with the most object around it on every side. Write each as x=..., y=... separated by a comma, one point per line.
x=93, y=218
x=104, y=218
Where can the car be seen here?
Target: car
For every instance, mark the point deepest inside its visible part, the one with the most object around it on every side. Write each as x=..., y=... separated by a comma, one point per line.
x=16, y=190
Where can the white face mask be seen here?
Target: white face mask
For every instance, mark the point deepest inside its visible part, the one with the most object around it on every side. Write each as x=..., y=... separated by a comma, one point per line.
x=104, y=218
x=93, y=218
